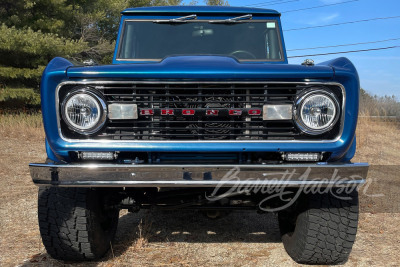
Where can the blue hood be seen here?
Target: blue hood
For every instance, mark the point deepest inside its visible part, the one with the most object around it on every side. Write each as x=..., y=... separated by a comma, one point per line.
x=202, y=67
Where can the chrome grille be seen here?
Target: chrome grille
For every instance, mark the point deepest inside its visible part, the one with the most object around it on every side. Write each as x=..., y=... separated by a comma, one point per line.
x=198, y=96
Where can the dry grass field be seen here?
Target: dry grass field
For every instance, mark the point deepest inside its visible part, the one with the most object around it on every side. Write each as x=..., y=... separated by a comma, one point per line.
x=155, y=238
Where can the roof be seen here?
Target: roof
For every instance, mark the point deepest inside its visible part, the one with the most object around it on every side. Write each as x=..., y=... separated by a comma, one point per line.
x=199, y=10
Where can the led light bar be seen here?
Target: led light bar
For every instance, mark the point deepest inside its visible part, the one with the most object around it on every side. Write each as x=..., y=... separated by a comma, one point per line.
x=97, y=155
x=303, y=156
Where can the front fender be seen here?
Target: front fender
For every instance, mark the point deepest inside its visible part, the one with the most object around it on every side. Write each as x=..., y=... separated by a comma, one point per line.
x=346, y=74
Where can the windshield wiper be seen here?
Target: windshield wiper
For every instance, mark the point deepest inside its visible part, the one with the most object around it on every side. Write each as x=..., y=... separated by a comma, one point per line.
x=177, y=20
x=233, y=20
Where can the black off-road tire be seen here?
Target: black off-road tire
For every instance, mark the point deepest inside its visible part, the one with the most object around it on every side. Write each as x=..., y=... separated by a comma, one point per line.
x=322, y=230
x=74, y=224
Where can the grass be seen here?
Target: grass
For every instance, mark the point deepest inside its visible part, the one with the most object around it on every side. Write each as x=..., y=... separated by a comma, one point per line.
x=181, y=238
x=21, y=124
x=21, y=119
x=377, y=141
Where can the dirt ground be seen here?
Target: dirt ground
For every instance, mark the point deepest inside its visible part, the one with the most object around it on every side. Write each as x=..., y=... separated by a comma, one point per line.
x=156, y=238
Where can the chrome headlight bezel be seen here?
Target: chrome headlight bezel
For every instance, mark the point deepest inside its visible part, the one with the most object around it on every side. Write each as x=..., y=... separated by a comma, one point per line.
x=100, y=102
x=299, y=104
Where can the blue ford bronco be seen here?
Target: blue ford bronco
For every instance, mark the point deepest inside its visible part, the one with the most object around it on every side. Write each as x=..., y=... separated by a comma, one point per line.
x=200, y=110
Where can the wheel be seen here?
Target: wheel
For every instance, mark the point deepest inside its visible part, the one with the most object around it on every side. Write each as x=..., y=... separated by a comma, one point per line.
x=74, y=225
x=321, y=229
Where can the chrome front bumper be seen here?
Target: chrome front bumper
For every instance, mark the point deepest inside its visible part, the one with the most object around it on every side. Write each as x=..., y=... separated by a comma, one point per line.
x=119, y=175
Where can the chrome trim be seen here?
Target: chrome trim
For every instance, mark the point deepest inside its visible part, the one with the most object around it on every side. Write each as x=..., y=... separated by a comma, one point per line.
x=308, y=62
x=194, y=141
x=120, y=175
x=298, y=105
x=196, y=184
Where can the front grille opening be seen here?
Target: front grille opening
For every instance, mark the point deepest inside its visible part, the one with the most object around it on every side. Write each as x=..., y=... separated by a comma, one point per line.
x=200, y=96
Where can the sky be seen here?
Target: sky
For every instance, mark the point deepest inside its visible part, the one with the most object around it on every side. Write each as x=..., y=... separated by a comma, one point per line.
x=379, y=70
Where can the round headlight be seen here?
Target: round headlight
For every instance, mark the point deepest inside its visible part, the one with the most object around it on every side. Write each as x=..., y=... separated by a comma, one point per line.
x=317, y=112
x=83, y=111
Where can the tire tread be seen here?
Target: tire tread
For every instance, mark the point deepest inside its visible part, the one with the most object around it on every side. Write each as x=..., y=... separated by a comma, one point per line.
x=325, y=231
x=65, y=224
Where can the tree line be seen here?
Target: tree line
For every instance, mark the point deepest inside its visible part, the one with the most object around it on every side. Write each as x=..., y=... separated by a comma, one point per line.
x=32, y=32
x=373, y=105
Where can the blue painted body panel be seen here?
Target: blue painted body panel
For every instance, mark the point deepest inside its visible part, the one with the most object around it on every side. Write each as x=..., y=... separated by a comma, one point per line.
x=216, y=10
x=216, y=68
x=202, y=67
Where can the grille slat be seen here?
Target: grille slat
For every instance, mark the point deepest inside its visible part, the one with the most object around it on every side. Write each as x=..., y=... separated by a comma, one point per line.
x=204, y=95
x=211, y=128
x=189, y=135
x=197, y=102
x=201, y=86
x=199, y=121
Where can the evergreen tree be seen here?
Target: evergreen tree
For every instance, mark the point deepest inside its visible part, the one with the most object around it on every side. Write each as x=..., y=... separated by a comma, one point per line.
x=24, y=54
x=32, y=32
x=217, y=3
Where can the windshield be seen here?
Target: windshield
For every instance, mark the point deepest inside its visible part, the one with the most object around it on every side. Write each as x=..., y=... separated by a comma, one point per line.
x=246, y=40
